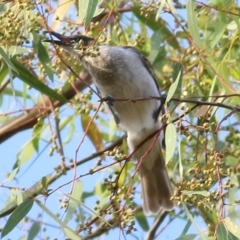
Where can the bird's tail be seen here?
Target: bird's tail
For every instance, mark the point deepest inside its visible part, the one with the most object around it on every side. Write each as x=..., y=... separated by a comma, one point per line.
x=156, y=186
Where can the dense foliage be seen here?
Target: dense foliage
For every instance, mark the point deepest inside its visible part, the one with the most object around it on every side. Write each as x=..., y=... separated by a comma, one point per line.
x=61, y=149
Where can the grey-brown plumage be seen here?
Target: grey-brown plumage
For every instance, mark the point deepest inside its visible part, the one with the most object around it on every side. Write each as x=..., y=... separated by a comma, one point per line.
x=123, y=73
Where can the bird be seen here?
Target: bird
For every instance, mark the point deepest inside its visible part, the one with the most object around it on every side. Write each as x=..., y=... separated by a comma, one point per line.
x=122, y=72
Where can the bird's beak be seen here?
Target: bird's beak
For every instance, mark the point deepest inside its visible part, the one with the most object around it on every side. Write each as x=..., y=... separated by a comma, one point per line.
x=69, y=41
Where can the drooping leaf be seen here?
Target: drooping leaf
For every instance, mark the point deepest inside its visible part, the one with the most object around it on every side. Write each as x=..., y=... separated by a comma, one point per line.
x=176, y=85
x=232, y=227
x=72, y=205
x=85, y=206
x=156, y=39
x=86, y=9
x=18, y=214
x=224, y=234
x=44, y=59
x=66, y=229
x=142, y=221
x=29, y=193
x=193, y=23
x=170, y=139
x=203, y=193
x=92, y=131
x=25, y=153
x=34, y=230
x=70, y=234
x=26, y=76
x=7, y=60
x=12, y=175
x=187, y=237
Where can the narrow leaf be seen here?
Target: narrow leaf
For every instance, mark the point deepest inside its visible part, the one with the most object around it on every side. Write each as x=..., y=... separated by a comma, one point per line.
x=203, y=193
x=142, y=221
x=89, y=209
x=193, y=24
x=224, y=234
x=92, y=131
x=18, y=214
x=25, y=75
x=92, y=5
x=34, y=230
x=12, y=175
x=82, y=9
x=33, y=190
x=70, y=234
x=42, y=53
x=170, y=139
x=44, y=59
x=190, y=217
x=77, y=194
x=156, y=39
x=173, y=88
x=180, y=160
x=187, y=237
x=7, y=60
x=62, y=224
x=231, y=227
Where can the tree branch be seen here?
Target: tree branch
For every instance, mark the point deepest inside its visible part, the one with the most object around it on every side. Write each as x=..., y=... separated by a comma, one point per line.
x=37, y=189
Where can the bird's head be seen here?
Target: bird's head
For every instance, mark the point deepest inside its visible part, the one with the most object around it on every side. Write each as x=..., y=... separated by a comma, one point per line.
x=75, y=45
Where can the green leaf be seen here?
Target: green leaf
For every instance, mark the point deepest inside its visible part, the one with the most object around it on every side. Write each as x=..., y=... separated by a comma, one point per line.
x=180, y=150
x=231, y=227
x=16, y=50
x=18, y=214
x=3, y=71
x=42, y=53
x=33, y=190
x=159, y=58
x=92, y=5
x=12, y=175
x=17, y=93
x=220, y=145
x=190, y=217
x=203, y=193
x=62, y=224
x=44, y=182
x=187, y=237
x=193, y=24
x=34, y=230
x=26, y=76
x=70, y=234
x=170, y=140
x=186, y=228
x=44, y=59
x=77, y=194
x=87, y=10
x=25, y=153
x=142, y=221
x=217, y=31
x=7, y=60
x=176, y=85
x=224, y=234
x=89, y=209
x=156, y=39
x=37, y=130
